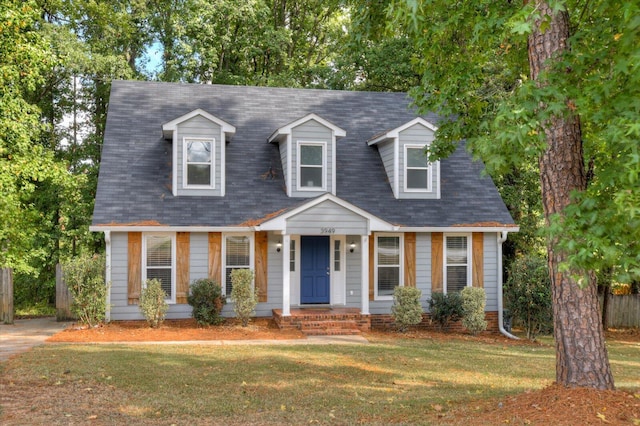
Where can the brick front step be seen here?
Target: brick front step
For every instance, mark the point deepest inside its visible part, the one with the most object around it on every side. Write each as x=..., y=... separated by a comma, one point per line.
x=324, y=321
x=329, y=328
x=332, y=332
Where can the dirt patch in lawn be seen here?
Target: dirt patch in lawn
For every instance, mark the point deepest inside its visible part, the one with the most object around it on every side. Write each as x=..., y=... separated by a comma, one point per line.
x=175, y=330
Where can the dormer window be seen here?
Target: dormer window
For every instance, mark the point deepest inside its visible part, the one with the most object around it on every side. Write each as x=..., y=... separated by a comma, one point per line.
x=403, y=152
x=308, y=153
x=199, y=162
x=417, y=171
x=199, y=142
x=311, y=165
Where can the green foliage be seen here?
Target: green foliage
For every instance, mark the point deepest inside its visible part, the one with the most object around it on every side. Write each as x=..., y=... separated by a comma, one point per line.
x=153, y=305
x=243, y=294
x=473, y=304
x=445, y=308
x=528, y=294
x=406, y=309
x=206, y=298
x=84, y=276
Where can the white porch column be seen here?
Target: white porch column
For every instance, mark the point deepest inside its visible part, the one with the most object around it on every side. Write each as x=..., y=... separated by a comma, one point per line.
x=364, y=273
x=286, y=276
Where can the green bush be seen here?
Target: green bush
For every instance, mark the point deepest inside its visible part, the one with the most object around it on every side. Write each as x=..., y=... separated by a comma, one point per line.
x=528, y=295
x=473, y=304
x=205, y=297
x=406, y=309
x=84, y=276
x=153, y=305
x=243, y=295
x=445, y=308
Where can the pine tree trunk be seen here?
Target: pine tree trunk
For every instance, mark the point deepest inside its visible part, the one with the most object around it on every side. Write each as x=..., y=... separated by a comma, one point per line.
x=581, y=355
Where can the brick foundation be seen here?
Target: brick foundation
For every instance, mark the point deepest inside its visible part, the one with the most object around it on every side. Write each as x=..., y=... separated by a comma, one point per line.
x=385, y=322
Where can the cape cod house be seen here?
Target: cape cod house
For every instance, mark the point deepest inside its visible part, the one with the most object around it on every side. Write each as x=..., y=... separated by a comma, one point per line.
x=326, y=195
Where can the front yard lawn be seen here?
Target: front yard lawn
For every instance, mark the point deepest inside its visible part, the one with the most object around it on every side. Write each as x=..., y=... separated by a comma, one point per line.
x=390, y=381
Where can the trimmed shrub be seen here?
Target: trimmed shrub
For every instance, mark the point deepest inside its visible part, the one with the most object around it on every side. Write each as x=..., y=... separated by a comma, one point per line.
x=528, y=295
x=205, y=297
x=406, y=309
x=84, y=276
x=243, y=295
x=473, y=304
x=445, y=308
x=153, y=305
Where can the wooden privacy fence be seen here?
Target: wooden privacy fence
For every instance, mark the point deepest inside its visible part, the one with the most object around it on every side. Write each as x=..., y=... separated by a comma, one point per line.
x=6, y=295
x=63, y=297
x=623, y=311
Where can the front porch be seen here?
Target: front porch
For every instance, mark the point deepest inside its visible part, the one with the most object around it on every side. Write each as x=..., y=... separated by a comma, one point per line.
x=323, y=321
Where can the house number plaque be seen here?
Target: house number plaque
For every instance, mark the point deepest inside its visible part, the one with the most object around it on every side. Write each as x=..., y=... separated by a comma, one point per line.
x=327, y=230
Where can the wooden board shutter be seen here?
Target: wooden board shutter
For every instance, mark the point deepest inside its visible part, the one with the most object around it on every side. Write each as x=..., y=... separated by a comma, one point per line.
x=182, y=267
x=134, y=269
x=477, y=262
x=260, y=262
x=410, y=259
x=372, y=279
x=215, y=257
x=437, y=241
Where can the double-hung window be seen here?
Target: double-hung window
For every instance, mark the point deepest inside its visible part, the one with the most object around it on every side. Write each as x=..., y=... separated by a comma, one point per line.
x=311, y=165
x=457, y=268
x=388, y=265
x=417, y=170
x=199, y=162
x=159, y=261
x=238, y=250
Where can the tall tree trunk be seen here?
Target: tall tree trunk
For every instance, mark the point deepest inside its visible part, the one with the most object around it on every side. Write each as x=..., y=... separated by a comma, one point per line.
x=581, y=355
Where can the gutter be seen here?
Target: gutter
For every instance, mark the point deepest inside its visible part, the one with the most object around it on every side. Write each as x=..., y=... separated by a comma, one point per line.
x=107, y=274
x=502, y=237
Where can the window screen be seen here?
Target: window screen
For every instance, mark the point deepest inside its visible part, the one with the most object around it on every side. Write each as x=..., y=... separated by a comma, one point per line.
x=388, y=259
x=238, y=256
x=457, y=263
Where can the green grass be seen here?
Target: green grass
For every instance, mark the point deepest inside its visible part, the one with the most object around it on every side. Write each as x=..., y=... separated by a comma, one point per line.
x=391, y=381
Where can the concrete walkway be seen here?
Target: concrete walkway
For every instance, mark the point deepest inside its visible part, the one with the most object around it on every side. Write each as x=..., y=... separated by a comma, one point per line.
x=27, y=333
x=24, y=334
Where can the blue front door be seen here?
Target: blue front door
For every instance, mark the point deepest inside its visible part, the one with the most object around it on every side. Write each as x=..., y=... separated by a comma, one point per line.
x=314, y=273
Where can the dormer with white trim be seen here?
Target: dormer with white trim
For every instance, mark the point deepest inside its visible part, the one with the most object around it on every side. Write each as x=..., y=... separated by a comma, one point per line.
x=402, y=151
x=198, y=160
x=308, y=153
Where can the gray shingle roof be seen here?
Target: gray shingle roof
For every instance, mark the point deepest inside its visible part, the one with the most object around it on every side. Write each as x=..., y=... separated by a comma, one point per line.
x=134, y=185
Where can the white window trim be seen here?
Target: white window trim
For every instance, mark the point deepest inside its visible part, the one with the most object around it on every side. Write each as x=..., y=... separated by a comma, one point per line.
x=406, y=168
x=185, y=182
x=301, y=143
x=444, y=259
x=172, y=299
x=375, y=263
x=223, y=278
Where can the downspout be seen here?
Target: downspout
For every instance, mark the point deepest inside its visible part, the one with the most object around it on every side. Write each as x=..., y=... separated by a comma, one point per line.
x=502, y=237
x=107, y=274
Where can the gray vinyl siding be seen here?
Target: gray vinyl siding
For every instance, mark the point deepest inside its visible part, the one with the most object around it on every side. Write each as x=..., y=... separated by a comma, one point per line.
x=284, y=158
x=120, y=309
x=490, y=259
x=352, y=275
x=423, y=267
x=416, y=135
x=200, y=127
x=385, y=149
x=329, y=215
x=311, y=131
